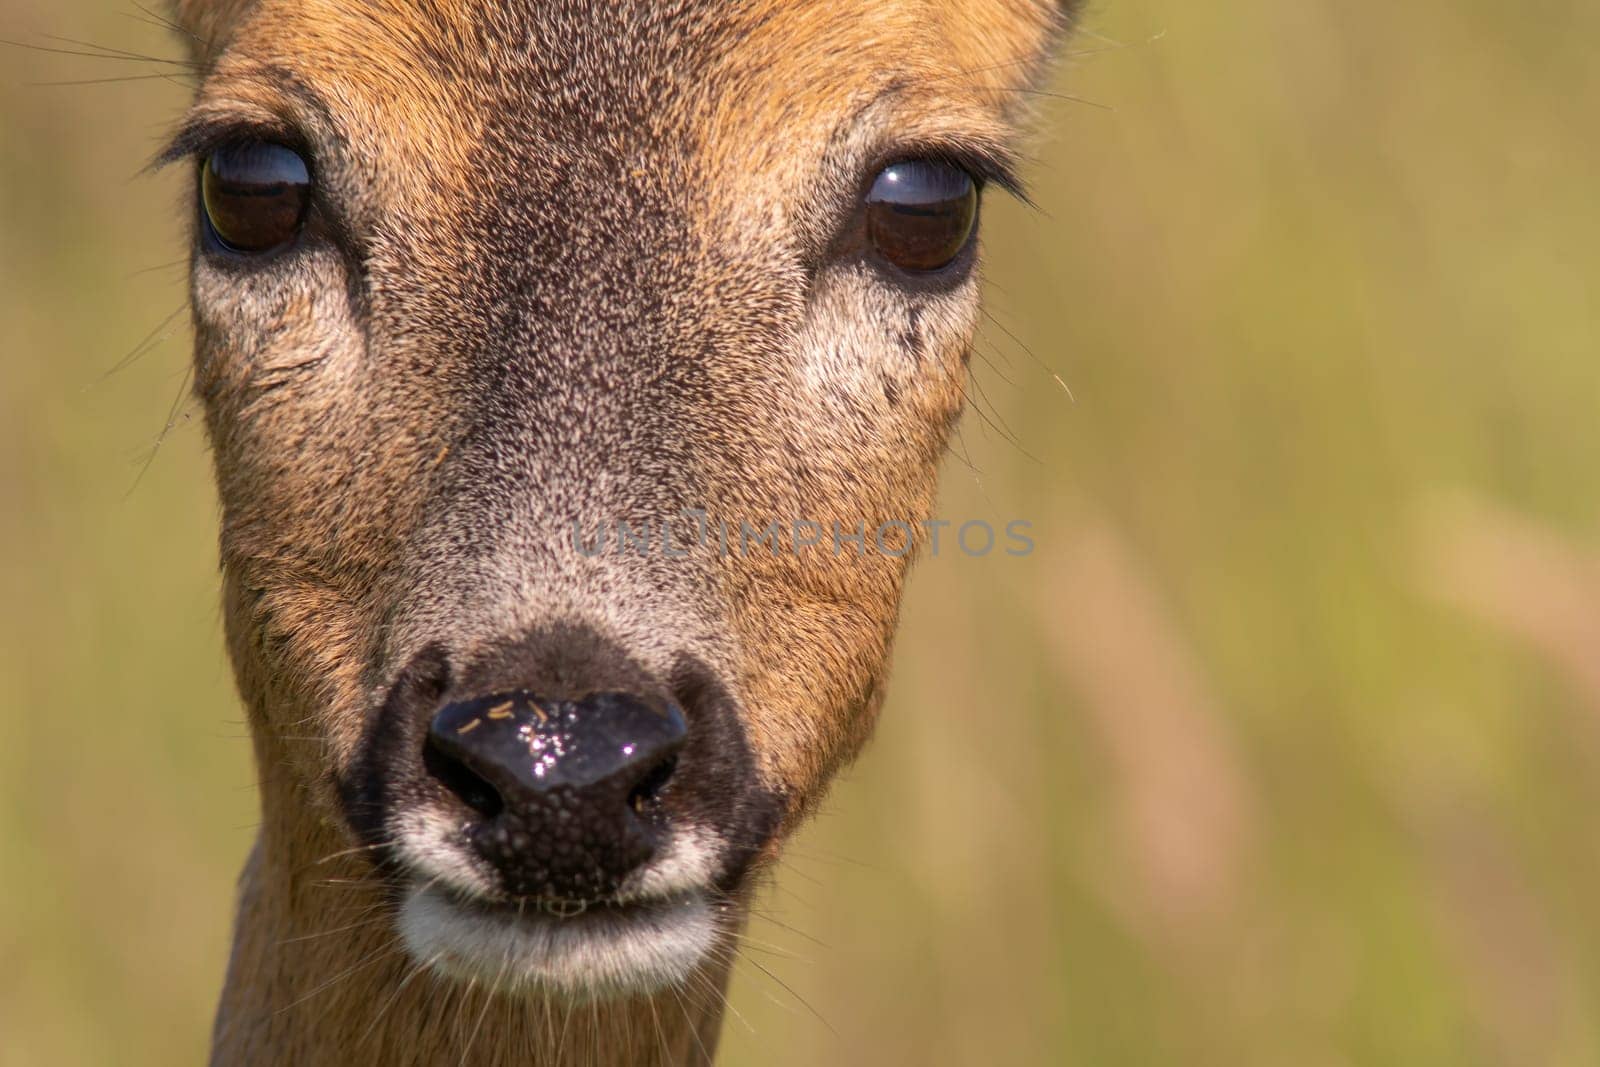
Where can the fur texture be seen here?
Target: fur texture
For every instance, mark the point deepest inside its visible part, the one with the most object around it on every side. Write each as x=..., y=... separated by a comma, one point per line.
x=569, y=263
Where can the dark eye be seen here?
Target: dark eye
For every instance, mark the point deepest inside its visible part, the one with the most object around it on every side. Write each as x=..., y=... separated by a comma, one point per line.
x=921, y=213
x=255, y=195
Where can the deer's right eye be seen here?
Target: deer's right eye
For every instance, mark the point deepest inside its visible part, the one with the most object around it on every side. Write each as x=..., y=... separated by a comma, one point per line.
x=254, y=195
x=921, y=213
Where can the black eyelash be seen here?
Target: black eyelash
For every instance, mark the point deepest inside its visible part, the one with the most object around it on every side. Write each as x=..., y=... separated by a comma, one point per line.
x=203, y=136
x=993, y=169
x=986, y=163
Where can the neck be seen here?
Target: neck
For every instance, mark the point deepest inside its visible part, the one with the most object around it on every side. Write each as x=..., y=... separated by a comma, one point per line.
x=318, y=976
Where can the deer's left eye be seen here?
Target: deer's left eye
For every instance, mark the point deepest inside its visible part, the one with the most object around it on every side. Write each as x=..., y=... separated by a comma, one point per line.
x=255, y=195
x=921, y=213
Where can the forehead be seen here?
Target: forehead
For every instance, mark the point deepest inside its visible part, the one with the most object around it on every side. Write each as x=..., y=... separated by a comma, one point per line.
x=708, y=81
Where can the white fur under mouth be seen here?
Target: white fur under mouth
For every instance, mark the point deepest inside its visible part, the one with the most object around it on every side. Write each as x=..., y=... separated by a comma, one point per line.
x=602, y=952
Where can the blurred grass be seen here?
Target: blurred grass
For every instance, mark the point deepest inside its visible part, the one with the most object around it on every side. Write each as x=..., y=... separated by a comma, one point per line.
x=1283, y=746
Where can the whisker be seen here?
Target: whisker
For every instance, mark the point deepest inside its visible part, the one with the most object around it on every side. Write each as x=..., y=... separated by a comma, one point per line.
x=965, y=454
x=488, y=999
x=349, y=852
x=367, y=961
x=566, y=1021
x=661, y=1037
x=987, y=362
x=347, y=883
x=984, y=395
x=146, y=344
x=394, y=996
x=172, y=420
x=548, y=1033
x=160, y=267
x=1005, y=434
x=688, y=1020
x=108, y=52
x=96, y=55
x=1030, y=354
x=153, y=18
x=796, y=931
x=776, y=951
x=165, y=76
x=370, y=921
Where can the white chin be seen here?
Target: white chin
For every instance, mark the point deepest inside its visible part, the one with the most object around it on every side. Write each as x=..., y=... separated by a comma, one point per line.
x=599, y=954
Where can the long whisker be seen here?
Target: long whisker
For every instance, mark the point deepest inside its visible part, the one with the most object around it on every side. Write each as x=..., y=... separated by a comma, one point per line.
x=566, y=1020
x=350, y=852
x=148, y=342
x=371, y=920
x=172, y=420
x=107, y=52
x=688, y=1021
x=488, y=999
x=153, y=18
x=1030, y=354
x=790, y=990
x=381, y=952
x=394, y=996
x=164, y=76
x=111, y=55
x=999, y=428
x=156, y=268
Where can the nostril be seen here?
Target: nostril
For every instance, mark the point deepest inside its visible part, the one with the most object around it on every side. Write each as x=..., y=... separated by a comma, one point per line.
x=470, y=787
x=647, y=793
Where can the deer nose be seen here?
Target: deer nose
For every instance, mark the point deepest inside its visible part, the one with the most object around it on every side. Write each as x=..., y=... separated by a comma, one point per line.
x=564, y=795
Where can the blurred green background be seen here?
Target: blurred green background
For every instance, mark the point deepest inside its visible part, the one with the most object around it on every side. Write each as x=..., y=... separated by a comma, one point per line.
x=1281, y=749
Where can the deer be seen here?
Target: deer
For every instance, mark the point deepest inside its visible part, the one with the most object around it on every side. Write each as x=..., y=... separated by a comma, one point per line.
x=469, y=277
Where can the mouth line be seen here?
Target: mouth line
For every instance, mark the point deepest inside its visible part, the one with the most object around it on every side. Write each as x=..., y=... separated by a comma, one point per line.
x=569, y=909
x=581, y=950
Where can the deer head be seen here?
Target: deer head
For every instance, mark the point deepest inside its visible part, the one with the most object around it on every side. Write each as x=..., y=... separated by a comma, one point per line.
x=514, y=322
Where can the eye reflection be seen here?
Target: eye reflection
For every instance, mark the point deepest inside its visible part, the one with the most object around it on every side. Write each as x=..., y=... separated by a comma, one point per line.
x=921, y=213
x=254, y=195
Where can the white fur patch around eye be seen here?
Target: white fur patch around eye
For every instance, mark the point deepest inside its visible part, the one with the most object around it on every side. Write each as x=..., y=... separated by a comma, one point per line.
x=860, y=333
x=588, y=957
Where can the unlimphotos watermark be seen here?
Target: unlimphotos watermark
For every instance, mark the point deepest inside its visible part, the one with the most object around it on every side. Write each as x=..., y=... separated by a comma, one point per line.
x=693, y=529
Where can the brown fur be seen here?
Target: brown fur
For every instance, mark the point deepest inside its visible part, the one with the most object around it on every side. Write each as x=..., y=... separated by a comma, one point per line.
x=349, y=414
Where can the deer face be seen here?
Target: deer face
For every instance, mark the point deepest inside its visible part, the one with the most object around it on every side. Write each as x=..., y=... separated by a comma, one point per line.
x=475, y=284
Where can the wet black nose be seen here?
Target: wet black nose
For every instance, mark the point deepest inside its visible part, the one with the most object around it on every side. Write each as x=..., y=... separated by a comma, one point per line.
x=563, y=794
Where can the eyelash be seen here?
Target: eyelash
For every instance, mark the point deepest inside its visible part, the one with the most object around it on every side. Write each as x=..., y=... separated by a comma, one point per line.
x=987, y=167
x=199, y=139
